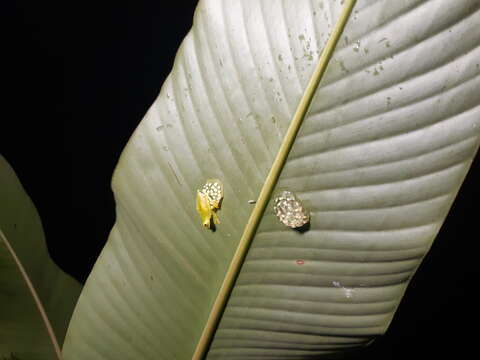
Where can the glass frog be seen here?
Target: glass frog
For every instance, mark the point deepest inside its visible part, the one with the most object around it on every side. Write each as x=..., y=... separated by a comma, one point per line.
x=209, y=200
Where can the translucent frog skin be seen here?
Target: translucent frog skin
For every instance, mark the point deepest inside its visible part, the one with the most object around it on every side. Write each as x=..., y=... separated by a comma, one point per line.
x=208, y=202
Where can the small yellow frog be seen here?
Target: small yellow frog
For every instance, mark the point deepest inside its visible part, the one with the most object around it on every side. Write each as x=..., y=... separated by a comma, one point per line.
x=209, y=200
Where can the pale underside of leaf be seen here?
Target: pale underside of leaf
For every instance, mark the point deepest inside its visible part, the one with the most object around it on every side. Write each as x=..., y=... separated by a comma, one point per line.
x=390, y=136
x=269, y=184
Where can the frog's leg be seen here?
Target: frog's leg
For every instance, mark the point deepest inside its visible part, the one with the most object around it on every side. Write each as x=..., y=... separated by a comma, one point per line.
x=215, y=204
x=216, y=220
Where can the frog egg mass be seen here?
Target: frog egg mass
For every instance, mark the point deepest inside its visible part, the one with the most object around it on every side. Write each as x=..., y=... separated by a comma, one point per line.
x=289, y=210
x=213, y=189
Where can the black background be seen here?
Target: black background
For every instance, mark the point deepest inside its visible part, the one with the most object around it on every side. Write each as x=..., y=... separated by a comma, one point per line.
x=77, y=80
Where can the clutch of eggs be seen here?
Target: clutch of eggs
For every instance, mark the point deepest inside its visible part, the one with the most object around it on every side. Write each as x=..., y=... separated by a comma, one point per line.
x=213, y=188
x=289, y=210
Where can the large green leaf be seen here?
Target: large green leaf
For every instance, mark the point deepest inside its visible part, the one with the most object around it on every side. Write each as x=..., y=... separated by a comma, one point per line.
x=390, y=136
x=36, y=297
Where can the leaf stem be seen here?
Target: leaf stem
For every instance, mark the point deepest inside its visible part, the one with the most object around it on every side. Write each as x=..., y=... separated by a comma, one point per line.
x=270, y=182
